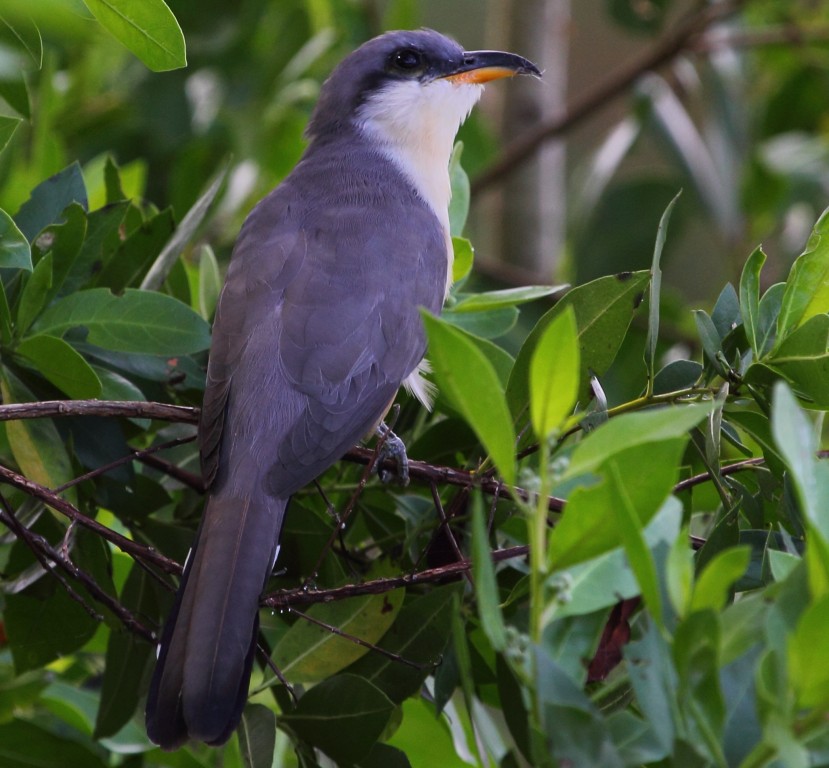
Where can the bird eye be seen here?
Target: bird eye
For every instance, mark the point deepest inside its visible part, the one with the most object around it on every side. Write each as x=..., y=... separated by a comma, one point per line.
x=407, y=58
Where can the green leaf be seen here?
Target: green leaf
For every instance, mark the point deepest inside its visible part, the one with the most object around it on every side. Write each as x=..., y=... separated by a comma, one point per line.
x=21, y=34
x=770, y=306
x=15, y=252
x=807, y=287
x=130, y=262
x=486, y=585
x=808, y=671
x=33, y=295
x=604, y=309
x=136, y=321
x=629, y=522
x=471, y=384
x=676, y=375
x=58, y=362
x=583, y=532
x=796, y=440
x=49, y=199
x=509, y=297
x=656, y=290
x=464, y=258
x=459, y=202
x=803, y=360
x=210, y=282
x=713, y=587
x=750, y=300
x=489, y=324
x=709, y=336
x=345, y=704
x=679, y=573
x=257, y=736
x=654, y=681
x=126, y=657
x=25, y=745
x=63, y=243
x=8, y=125
x=307, y=652
x=35, y=443
x=632, y=429
x=146, y=27
x=161, y=267
x=419, y=634
x=554, y=375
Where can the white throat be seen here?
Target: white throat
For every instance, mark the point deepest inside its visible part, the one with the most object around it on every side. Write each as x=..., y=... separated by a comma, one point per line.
x=415, y=125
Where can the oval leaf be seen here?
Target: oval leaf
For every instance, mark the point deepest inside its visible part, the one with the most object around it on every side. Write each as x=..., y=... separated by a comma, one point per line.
x=471, y=384
x=554, y=374
x=58, y=362
x=137, y=322
x=148, y=28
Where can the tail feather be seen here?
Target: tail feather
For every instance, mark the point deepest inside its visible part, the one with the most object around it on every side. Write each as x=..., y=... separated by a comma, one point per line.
x=206, y=652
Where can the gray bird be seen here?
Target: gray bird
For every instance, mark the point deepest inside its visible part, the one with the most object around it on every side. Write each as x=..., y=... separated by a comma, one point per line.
x=316, y=329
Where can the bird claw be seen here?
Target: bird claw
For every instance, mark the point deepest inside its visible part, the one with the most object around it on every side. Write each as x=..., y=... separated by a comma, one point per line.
x=395, y=449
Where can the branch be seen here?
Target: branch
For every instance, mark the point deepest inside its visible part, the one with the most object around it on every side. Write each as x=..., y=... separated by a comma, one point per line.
x=51, y=499
x=290, y=598
x=136, y=409
x=681, y=38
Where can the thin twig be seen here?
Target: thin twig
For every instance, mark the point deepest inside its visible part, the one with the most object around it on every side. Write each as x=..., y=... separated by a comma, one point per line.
x=125, y=408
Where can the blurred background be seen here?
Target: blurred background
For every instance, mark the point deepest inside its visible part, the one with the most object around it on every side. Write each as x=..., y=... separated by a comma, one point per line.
x=641, y=98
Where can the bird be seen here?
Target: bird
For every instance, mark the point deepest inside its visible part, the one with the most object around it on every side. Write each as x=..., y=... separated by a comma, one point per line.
x=316, y=328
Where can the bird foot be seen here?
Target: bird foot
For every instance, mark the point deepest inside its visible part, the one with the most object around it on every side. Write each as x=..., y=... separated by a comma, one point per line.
x=392, y=448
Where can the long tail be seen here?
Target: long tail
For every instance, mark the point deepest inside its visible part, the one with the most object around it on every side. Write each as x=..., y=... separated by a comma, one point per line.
x=200, y=683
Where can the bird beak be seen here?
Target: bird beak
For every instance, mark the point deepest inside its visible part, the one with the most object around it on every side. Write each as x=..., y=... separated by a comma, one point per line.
x=482, y=66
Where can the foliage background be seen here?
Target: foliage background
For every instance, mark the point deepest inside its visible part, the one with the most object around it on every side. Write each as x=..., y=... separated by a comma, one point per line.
x=155, y=172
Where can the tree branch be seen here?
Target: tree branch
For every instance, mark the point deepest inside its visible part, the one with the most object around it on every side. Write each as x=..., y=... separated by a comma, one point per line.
x=679, y=39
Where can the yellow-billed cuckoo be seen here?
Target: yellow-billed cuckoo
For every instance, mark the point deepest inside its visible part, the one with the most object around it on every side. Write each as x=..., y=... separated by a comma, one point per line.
x=316, y=328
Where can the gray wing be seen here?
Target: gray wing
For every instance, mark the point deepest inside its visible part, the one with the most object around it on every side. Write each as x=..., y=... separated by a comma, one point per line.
x=317, y=326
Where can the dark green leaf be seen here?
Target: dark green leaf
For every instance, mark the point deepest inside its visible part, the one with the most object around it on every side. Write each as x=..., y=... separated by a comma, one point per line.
x=25, y=745
x=345, y=704
x=49, y=199
x=635, y=738
x=677, y=375
x=126, y=657
x=714, y=584
x=419, y=634
x=21, y=34
x=384, y=756
x=750, y=300
x=210, y=282
x=58, y=362
x=130, y=262
x=136, y=321
x=147, y=28
x=15, y=252
x=512, y=705
x=769, y=312
x=63, y=243
x=257, y=736
x=709, y=336
x=604, y=309
x=34, y=294
x=15, y=92
x=112, y=182
x=656, y=290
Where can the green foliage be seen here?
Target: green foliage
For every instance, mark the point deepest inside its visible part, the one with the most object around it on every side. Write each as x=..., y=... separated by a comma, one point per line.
x=646, y=548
